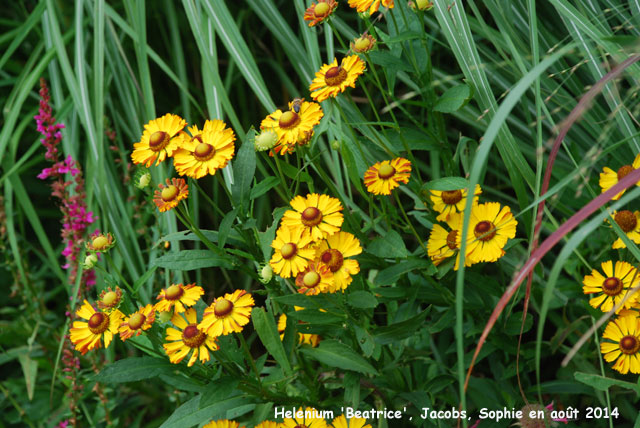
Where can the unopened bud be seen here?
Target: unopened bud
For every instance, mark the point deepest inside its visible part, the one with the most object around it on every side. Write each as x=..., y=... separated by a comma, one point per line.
x=266, y=273
x=90, y=261
x=165, y=316
x=143, y=180
x=335, y=144
x=265, y=140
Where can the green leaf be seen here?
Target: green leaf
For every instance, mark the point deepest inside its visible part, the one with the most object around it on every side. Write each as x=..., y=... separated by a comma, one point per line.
x=190, y=413
x=400, y=330
x=263, y=187
x=144, y=278
x=362, y=299
x=337, y=354
x=601, y=383
x=225, y=227
x=447, y=183
x=30, y=371
x=218, y=390
x=267, y=330
x=391, y=274
x=389, y=246
x=191, y=260
x=133, y=369
x=297, y=300
x=454, y=99
x=244, y=168
x=512, y=325
x=317, y=317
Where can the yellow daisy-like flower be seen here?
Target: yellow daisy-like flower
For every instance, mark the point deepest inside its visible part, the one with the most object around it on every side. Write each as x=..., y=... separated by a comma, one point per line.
x=308, y=418
x=609, y=177
x=342, y=422
x=309, y=339
x=109, y=299
x=451, y=201
x=268, y=424
x=223, y=423
x=291, y=253
x=629, y=222
x=490, y=227
x=206, y=151
x=101, y=325
x=319, y=215
x=100, y=243
x=227, y=314
x=170, y=195
x=315, y=279
x=318, y=12
x=371, y=6
x=333, y=79
x=158, y=140
x=294, y=126
x=333, y=252
x=625, y=332
x=443, y=244
x=188, y=338
x=363, y=43
x=613, y=287
x=382, y=177
x=137, y=322
x=178, y=297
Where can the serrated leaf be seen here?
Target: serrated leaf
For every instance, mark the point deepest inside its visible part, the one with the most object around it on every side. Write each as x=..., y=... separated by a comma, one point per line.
x=191, y=260
x=337, y=354
x=362, y=299
x=267, y=330
x=218, y=390
x=389, y=246
x=133, y=369
x=244, y=168
x=604, y=383
x=447, y=183
x=454, y=99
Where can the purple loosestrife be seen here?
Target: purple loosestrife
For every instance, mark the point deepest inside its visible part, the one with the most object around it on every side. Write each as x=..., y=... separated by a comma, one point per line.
x=76, y=218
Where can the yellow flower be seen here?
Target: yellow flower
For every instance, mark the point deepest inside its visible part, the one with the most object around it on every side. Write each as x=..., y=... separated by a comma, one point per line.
x=109, y=299
x=178, y=296
x=332, y=80
x=609, y=177
x=206, y=151
x=613, y=287
x=223, y=423
x=333, y=252
x=268, y=424
x=451, y=201
x=170, y=195
x=137, y=322
x=315, y=279
x=294, y=126
x=188, y=338
x=86, y=335
x=625, y=332
x=309, y=339
x=318, y=215
x=308, y=418
x=342, y=422
x=227, y=314
x=382, y=177
x=291, y=251
x=100, y=243
x=629, y=222
x=443, y=244
x=363, y=43
x=318, y=12
x=158, y=140
x=370, y=5
x=489, y=229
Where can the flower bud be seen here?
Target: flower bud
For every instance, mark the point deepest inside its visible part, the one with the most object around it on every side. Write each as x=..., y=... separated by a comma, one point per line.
x=265, y=140
x=266, y=273
x=165, y=316
x=90, y=261
x=335, y=145
x=143, y=181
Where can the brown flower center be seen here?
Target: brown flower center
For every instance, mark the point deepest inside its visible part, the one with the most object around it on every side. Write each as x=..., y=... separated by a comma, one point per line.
x=192, y=336
x=485, y=230
x=624, y=171
x=136, y=320
x=289, y=119
x=204, y=152
x=169, y=193
x=451, y=197
x=222, y=307
x=451, y=239
x=174, y=292
x=333, y=259
x=158, y=141
x=612, y=286
x=311, y=216
x=629, y=345
x=335, y=76
x=99, y=243
x=321, y=10
x=98, y=322
x=311, y=279
x=288, y=250
x=626, y=220
x=386, y=171
x=109, y=298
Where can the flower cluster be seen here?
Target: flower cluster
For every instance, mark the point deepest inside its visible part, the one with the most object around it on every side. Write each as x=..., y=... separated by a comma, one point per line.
x=307, y=417
x=490, y=227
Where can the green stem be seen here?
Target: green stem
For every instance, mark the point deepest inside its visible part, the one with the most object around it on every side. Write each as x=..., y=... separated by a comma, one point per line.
x=252, y=362
x=284, y=185
x=211, y=202
x=406, y=219
x=114, y=267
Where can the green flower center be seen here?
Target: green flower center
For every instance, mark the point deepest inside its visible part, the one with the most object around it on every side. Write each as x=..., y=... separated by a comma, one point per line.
x=629, y=345
x=612, y=286
x=333, y=259
x=99, y=243
x=362, y=44
x=109, y=298
x=311, y=216
x=98, y=322
x=169, y=193
x=192, y=336
x=158, y=141
x=289, y=119
x=335, y=76
x=136, y=320
x=321, y=10
x=311, y=279
x=451, y=197
x=288, y=250
x=222, y=307
x=173, y=293
x=386, y=171
x=485, y=230
x=626, y=220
